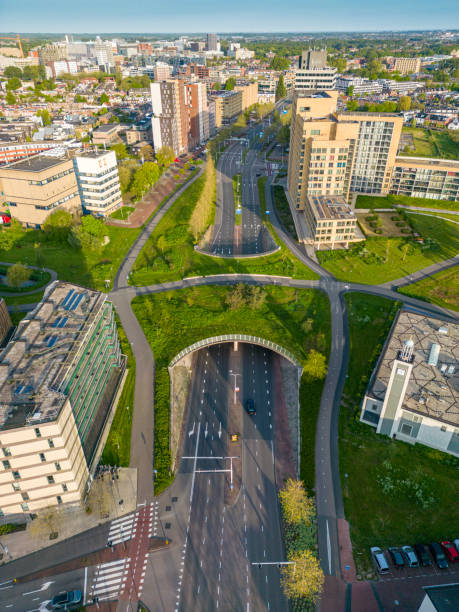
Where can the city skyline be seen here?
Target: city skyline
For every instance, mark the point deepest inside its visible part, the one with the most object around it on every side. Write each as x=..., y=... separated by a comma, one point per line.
x=270, y=16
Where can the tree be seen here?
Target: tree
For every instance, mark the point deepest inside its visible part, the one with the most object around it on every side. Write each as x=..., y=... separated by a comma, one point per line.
x=216, y=86
x=126, y=172
x=17, y=275
x=10, y=98
x=404, y=103
x=34, y=73
x=352, y=105
x=230, y=84
x=104, y=99
x=297, y=507
x=80, y=98
x=280, y=63
x=44, y=116
x=316, y=365
x=304, y=578
x=120, y=150
x=58, y=225
x=165, y=156
x=12, y=71
x=283, y=135
x=281, y=90
x=13, y=84
x=350, y=91
x=88, y=235
x=147, y=152
x=145, y=176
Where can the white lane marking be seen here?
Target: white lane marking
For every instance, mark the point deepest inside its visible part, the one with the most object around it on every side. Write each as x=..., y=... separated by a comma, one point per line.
x=85, y=583
x=329, y=549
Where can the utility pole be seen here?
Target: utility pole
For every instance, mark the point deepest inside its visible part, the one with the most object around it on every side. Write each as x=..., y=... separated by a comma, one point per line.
x=235, y=381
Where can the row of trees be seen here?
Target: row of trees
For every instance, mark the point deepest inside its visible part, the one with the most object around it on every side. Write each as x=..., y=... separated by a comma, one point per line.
x=136, y=178
x=202, y=214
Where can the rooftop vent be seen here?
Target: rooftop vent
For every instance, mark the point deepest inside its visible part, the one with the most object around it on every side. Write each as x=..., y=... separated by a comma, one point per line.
x=434, y=353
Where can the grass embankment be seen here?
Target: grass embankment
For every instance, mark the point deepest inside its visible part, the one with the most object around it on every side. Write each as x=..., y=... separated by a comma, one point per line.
x=117, y=448
x=378, y=260
x=365, y=201
x=169, y=252
x=298, y=320
x=86, y=267
x=374, y=463
x=432, y=143
x=123, y=212
x=237, y=187
x=441, y=289
x=283, y=210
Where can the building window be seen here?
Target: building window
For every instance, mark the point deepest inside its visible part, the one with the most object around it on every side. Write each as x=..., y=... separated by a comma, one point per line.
x=16, y=487
x=6, y=465
x=25, y=496
x=42, y=457
x=37, y=432
x=58, y=466
x=59, y=499
x=25, y=507
x=64, y=488
x=51, y=444
x=1, y=512
x=6, y=451
x=16, y=475
x=50, y=479
x=406, y=429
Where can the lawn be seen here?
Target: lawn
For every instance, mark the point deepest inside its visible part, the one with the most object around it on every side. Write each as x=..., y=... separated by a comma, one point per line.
x=169, y=252
x=365, y=201
x=441, y=289
x=39, y=278
x=433, y=143
x=370, y=463
x=298, y=320
x=14, y=300
x=89, y=268
x=283, y=210
x=378, y=260
x=118, y=446
x=123, y=212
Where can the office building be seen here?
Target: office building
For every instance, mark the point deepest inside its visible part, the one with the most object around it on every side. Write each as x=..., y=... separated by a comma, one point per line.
x=58, y=378
x=106, y=134
x=36, y=187
x=249, y=93
x=162, y=71
x=212, y=42
x=104, y=54
x=169, y=120
x=11, y=151
x=420, y=177
x=54, y=69
x=360, y=85
x=413, y=392
x=98, y=182
x=53, y=52
x=407, y=65
x=198, y=45
x=228, y=105
x=313, y=72
x=338, y=153
x=330, y=221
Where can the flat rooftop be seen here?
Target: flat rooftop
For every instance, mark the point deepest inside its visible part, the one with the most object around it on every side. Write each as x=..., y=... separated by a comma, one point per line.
x=427, y=161
x=433, y=390
x=37, y=163
x=35, y=363
x=107, y=127
x=330, y=208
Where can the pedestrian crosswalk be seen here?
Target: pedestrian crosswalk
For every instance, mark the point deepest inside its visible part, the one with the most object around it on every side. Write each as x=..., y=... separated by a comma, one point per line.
x=122, y=529
x=110, y=579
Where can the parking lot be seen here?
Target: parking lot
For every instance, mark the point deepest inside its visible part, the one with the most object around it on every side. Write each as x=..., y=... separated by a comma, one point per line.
x=406, y=573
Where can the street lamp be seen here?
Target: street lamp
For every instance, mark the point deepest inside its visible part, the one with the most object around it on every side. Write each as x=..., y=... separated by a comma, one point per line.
x=235, y=381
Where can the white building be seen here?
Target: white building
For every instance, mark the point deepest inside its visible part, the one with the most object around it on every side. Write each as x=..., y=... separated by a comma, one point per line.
x=98, y=182
x=413, y=393
x=360, y=85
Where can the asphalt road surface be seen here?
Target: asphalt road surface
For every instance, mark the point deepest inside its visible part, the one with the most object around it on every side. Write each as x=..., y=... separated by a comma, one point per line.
x=222, y=541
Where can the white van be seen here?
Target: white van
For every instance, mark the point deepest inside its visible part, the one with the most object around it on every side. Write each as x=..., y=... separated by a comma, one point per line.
x=379, y=559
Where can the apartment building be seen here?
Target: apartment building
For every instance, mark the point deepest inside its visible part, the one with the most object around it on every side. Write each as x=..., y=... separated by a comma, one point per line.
x=34, y=188
x=106, y=134
x=212, y=42
x=338, y=153
x=169, y=121
x=360, y=85
x=162, y=71
x=407, y=65
x=249, y=93
x=420, y=177
x=330, y=221
x=58, y=378
x=228, y=105
x=313, y=72
x=413, y=392
x=197, y=110
x=98, y=182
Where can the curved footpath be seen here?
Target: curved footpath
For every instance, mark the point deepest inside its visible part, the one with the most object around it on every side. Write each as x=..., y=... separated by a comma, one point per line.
x=26, y=307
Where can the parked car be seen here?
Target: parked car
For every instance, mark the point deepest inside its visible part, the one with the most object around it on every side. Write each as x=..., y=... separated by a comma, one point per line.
x=423, y=555
x=410, y=556
x=66, y=601
x=450, y=551
x=397, y=557
x=250, y=407
x=5, y=219
x=379, y=559
x=456, y=544
x=438, y=555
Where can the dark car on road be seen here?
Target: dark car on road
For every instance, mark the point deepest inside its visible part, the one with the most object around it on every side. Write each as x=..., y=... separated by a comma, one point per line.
x=422, y=553
x=250, y=407
x=438, y=555
x=397, y=557
x=66, y=601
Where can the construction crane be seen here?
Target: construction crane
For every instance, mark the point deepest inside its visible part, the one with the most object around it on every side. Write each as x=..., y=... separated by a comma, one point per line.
x=17, y=39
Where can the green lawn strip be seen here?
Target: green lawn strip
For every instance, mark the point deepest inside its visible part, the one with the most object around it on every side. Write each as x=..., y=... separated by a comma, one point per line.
x=14, y=300
x=169, y=253
x=283, y=210
x=89, y=268
x=378, y=260
x=39, y=278
x=440, y=215
x=298, y=320
x=117, y=448
x=237, y=182
x=365, y=201
x=122, y=213
x=423, y=143
x=441, y=289
x=418, y=507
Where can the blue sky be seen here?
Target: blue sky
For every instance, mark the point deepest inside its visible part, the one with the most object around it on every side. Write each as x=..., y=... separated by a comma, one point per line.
x=225, y=16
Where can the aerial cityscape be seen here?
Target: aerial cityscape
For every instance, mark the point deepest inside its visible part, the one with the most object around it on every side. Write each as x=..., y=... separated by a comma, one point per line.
x=229, y=307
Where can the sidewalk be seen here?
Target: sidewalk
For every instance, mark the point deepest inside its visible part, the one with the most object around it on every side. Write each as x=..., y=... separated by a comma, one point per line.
x=107, y=500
